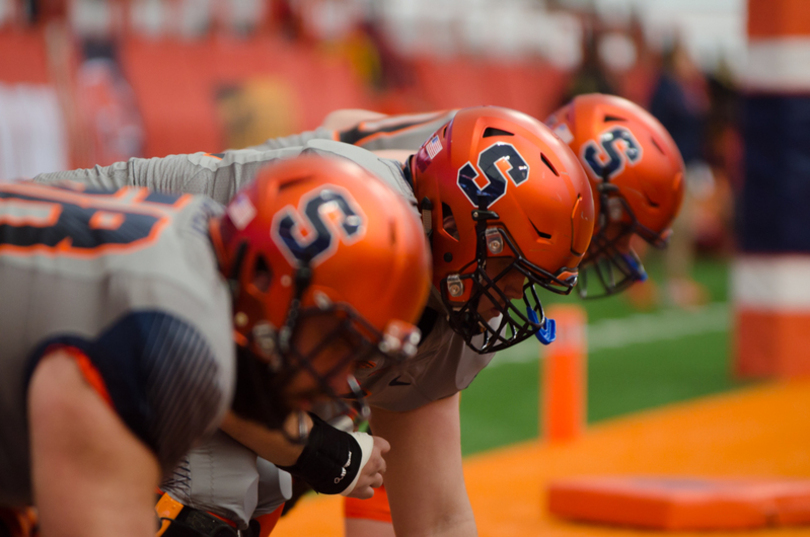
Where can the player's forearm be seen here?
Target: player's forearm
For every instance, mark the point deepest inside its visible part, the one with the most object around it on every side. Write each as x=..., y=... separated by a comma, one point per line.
x=267, y=444
x=425, y=480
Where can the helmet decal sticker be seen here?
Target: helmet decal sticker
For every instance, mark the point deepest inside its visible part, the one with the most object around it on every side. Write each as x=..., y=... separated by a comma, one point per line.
x=307, y=234
x=564, y=133
x=488, y=163
x=241, y=211
x=428, y=152
x=610, y=161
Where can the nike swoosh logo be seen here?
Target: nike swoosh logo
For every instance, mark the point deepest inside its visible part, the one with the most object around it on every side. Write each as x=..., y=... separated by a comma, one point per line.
x=397, y=382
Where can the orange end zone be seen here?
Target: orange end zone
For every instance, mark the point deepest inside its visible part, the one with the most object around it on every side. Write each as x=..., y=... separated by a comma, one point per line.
x=671, y=503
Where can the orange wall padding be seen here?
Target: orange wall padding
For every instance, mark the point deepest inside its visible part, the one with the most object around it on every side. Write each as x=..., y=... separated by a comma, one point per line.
x=533, y=87
x=176, y=83
x=778, y=18
x=23, y=58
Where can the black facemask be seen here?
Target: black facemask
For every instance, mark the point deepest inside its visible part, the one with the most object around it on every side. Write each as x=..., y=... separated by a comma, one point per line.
x=607, y=269
x=517, y=323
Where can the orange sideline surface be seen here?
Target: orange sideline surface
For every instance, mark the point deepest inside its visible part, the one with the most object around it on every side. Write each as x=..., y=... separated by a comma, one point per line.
x=755, y=432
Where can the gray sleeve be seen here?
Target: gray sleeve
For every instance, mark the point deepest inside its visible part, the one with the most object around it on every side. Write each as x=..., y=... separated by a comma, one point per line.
x=219, y=476
x=296, y=140
x=110, y=177
x=218, y=177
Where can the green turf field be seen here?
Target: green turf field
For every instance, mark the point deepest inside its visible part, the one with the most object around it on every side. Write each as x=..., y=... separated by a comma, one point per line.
x=638, y=360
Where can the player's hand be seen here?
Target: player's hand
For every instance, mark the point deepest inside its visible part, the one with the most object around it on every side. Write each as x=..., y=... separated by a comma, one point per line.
x=371, y=475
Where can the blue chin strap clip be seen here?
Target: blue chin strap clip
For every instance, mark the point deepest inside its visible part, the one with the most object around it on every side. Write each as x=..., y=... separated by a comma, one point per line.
x=639, y=274
x=548, y=332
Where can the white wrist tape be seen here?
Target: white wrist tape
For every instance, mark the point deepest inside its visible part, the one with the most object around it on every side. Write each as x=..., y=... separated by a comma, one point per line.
x=366, y=443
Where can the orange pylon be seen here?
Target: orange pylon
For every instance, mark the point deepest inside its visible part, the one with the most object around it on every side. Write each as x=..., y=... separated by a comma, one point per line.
x=564, y=385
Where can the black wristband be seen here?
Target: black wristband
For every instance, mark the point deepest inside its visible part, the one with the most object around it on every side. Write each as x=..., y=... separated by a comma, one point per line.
x=330, y=460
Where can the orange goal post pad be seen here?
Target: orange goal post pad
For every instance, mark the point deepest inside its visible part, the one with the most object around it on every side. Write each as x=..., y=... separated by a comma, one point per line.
x=682, y=503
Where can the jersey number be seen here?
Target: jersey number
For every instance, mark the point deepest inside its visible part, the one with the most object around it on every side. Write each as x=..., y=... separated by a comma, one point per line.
x=62, y=221
x=610, y=160
x=304, y=234
x=496, y=180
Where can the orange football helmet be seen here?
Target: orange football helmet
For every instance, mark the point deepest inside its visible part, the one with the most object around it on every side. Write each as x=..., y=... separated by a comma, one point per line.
x=497, y=184
x=319, y=239
x=636, y=174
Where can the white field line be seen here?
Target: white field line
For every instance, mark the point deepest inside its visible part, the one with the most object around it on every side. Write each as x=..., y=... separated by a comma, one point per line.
x=639, y=328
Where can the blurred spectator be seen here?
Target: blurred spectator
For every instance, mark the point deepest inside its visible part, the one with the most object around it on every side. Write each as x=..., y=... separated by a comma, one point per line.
x=680, y=101
x=283, y=19
x=724, y=154
x=107, y=106
x=592, y=76
x=43, y=11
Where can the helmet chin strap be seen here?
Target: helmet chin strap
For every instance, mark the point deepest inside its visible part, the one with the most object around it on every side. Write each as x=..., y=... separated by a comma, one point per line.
x=301, y=281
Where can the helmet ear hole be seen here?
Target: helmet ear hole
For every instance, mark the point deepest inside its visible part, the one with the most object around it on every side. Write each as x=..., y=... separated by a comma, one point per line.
x=262, y=275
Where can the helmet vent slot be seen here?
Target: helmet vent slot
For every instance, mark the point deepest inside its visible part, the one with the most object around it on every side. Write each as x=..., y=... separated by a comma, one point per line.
x=658, y=147
x=262, y=275
x=548, y=163
x=613, y=118
x=392, y=232
x=292, y=182
x=542, y=235
x=449, y=222
x=444, y=132
x=491, y=131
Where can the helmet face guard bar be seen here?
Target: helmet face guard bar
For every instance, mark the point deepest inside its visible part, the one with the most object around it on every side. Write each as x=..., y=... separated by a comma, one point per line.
x=608, y=269
x=349, y=338
x=514, y=324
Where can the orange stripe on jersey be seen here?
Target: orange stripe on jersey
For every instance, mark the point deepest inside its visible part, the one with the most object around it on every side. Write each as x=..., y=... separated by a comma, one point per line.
x=377, y=128
x=29, y=213
x=66, y=248
x=59, y=193
x=106, y=220
x=375, y=508
x=91, y=375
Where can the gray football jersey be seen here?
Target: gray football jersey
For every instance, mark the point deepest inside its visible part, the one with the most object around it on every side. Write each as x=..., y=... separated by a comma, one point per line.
x=406, y=131
x=224, y=477
x=130, y=279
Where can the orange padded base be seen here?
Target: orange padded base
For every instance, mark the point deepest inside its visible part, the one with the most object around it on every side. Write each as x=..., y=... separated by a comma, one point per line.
x=672, y=503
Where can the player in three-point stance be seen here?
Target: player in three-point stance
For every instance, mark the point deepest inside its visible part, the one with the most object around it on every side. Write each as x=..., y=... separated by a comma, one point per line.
x=635, y=171
x=118, y=317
